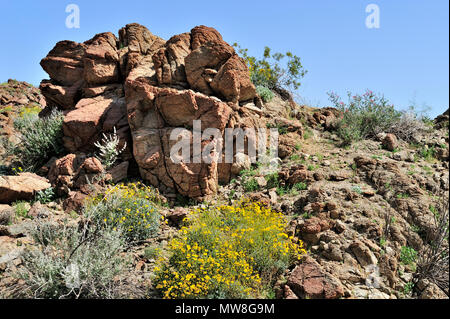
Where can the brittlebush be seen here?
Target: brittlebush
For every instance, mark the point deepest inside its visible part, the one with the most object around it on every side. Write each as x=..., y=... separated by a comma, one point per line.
x=131, y=208
x=227, y=252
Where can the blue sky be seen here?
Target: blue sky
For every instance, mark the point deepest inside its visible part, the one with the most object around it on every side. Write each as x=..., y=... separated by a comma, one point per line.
x=406, y=59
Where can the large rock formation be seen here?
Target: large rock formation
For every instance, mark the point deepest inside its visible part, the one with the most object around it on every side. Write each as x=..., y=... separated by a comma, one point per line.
x=145, y=87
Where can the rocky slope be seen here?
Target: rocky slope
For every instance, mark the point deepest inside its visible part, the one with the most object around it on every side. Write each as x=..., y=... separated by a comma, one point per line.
x=357, y=209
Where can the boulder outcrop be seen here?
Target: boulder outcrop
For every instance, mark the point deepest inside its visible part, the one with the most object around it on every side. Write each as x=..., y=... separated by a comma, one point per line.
x=146, y=87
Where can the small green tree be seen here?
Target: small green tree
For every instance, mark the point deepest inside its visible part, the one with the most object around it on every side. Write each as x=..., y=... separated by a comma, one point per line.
x=270, y=72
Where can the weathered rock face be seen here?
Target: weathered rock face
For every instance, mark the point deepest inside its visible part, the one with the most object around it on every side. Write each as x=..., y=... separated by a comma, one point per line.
x=145, y=87
x=86, y=79
x=73, y=172
x=308, y=280
x=195, y=76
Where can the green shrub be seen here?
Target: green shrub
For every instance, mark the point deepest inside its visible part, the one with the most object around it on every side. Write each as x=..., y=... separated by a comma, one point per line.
x=364, y=116
x=269, y=71
x=40, y=139
x=408, y=288
x=266, y=94
x=273, y=180
x=427, y=153
x=45, y=196
x=307, y=134
x=21, y=208
x=227, y=252
x=72, y=263
x=250, y=185
x=128, y=208
x=357, y=189
x=151, y=252
x=300, y=186
x=408, y=255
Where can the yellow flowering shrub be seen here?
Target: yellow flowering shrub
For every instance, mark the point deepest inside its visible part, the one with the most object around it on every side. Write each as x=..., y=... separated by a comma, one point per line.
x=227, y=252
x=130, y=208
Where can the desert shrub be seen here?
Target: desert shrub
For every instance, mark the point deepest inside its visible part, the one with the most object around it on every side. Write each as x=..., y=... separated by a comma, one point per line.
x=151, y=252
x=72, y=263
x=250, y=185
x=408, y=255
x=40, y=139
x=408, y=125
x=364, y=116
x=45, y=196
x=427, y=153
x=227, y=252
x=273, y=180
x=30, y=110
x=270, y=72
x=265, y=93
x=433, y=260
x=300, y=186
x=21, y=209
x=130, y=208
x=109, y=149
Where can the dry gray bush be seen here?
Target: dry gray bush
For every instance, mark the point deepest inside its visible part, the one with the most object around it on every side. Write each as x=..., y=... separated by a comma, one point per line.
x=433, y=261
x=72, y=262
x=409, y=125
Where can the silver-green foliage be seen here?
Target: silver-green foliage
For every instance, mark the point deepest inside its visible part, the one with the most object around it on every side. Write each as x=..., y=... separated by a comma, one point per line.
x=45, y=196
x=72, y=262
x=40, y=139
x=266, y=94
x=109, y=149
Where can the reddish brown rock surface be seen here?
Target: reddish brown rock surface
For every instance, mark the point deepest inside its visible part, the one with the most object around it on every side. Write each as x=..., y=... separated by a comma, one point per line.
x=144, y=87
x=308, y=280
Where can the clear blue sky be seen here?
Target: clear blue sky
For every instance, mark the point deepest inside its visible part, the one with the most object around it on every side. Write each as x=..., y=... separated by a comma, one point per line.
x=407, y=58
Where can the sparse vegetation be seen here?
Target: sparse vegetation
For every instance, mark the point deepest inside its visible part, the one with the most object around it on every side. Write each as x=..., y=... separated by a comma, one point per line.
x=266, y=94
x=364, y=116
x=408, y=256
x=427, y=153
x=40, y=138
x=433, y=261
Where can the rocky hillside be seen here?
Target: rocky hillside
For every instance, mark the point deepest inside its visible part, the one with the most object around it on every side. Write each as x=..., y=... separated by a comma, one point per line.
x=89, y=183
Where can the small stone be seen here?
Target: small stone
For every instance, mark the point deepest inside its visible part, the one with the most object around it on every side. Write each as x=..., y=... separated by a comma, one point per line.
x=390, y=142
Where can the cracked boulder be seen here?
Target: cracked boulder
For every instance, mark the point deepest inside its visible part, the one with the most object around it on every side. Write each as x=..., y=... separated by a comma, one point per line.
x=145, y=87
